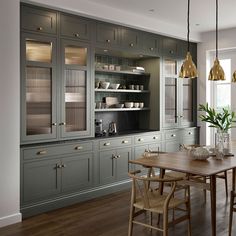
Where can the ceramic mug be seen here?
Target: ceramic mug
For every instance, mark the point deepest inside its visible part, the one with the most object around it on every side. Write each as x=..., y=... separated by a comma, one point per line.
x=141, y=104
x=136, y=104
x=136, y=87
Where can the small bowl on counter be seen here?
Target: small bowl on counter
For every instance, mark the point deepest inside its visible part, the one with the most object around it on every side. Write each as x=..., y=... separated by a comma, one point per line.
x=104, y=85
x=129, y=104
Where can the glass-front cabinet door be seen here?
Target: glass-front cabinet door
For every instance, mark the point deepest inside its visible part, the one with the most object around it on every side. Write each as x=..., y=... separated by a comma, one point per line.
x=170, y=93
x=75, y=90
x=38, y=85
x=179, y=97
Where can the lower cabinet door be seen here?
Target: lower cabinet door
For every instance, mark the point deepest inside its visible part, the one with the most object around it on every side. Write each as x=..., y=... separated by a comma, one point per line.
x=107, y=161
x=76, y=172
x=122, y=163
x=40, y=180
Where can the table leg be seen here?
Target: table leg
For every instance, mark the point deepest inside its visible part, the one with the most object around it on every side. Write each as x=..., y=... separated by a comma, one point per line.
x=213, y=204
x=162, y=173
x=233, y=179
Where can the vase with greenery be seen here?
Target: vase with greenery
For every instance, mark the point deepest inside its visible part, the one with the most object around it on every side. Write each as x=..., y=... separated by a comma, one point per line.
x=222, y=121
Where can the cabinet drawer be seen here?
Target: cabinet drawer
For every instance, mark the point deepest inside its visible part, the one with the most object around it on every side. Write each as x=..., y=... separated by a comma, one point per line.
x=39, y=20
x=189, y=133
x=46, y=151
x=107, y=34
x=75, y=27
x=113, y=143
x=172, y=135
x=147, y=138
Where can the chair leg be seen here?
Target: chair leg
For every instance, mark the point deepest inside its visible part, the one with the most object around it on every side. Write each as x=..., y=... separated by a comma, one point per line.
x=165, y=223
x=231, y=212
x=226, y=183
x=130, y=230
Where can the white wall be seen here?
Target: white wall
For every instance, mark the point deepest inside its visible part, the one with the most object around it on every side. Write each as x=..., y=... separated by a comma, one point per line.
x=9, y=112
x=226, y=41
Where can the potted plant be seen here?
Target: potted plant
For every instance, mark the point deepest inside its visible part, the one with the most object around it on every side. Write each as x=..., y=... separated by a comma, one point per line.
x=222, y=121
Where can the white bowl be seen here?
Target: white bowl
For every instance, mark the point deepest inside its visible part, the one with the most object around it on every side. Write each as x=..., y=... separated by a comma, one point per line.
x=104, y=84
x=129, y=104
x=121, y=105
x=114, y=86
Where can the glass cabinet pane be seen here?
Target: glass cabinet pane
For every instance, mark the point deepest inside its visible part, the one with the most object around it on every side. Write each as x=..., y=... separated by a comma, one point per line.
x=75, y=100
x=38, y=51
x=75, y=55
x=187, y=100
x=38, y=100
x=170, y=67
x=170, y=100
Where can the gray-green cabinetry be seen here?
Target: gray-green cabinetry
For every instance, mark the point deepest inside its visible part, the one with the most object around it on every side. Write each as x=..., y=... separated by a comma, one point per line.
x=38, y=19
x=179, y=96
x=75, y=27
x=49, y=171
x=114, y=159
x=38, y=87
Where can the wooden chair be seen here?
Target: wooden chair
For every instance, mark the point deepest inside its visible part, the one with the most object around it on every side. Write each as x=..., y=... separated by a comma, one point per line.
x=232, y=209
x=146, y=199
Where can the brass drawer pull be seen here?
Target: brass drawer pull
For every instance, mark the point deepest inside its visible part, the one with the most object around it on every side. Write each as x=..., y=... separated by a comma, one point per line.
x=190, y=133
x=125, y=141
x=140, y=139
x=63, y=166
x=62, y=123
x=118, y=156
x=78, y=147
x=59, y=166
x=54, y=124
x=155, y=137
x=173, y=135
x=42, y=152
x=40, y=28
x=107, y=144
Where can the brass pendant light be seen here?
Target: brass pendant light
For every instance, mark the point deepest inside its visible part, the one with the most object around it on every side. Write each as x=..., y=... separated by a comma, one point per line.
x=216, y=72
x=188, y=68
x=234, y=77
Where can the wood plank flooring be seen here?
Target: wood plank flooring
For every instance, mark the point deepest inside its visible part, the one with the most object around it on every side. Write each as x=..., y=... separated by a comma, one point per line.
x=108, y=216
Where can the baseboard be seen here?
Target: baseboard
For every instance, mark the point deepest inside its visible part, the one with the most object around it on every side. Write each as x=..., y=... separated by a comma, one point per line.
x=11, y=219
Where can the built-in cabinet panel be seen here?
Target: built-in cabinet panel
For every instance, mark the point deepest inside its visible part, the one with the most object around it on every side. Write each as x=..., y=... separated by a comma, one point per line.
x=38, y=20
x=62, y=55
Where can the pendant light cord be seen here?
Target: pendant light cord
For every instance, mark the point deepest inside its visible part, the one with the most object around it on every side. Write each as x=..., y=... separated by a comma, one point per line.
x=188, y=23
x=216, y=28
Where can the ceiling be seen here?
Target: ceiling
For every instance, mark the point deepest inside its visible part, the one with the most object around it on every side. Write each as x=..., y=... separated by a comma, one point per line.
x=162, y=16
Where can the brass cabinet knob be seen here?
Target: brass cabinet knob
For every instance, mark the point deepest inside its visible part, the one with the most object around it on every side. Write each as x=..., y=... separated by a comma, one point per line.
x=190, y=133
x=63, y=166
x=76, y=35
x=78, y=147
x=140, y=139
x=40, y=28
x=125, y=141
x=173, y=135
x=107, y=144
x=43, y=152
x=171, y=52
x=155, y=137
x=118, y=156
x=54, y=124
x=62, y=123
x=59, y=166
x=151, y=49
x=131, y=44
x=108, y=40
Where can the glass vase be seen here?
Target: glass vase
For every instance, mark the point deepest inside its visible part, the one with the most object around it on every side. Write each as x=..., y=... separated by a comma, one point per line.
x=222, y=142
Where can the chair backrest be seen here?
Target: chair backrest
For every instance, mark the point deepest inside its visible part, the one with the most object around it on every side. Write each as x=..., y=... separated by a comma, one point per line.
x=142, y=187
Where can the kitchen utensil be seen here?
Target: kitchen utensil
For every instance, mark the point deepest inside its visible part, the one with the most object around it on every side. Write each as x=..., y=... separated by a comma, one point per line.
x=112, y=128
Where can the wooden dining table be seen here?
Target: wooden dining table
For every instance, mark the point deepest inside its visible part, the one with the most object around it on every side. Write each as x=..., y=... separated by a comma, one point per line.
x=181, y=162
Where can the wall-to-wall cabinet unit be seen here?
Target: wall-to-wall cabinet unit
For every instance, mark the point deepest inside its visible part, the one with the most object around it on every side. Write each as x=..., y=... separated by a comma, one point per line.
x=64, y=60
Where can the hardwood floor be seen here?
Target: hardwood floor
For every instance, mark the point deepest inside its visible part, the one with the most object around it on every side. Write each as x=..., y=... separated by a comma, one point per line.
x=108, y=216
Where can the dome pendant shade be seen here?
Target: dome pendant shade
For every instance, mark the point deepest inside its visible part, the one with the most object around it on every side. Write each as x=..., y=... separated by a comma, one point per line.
x=188, y=68
x=216, y=72
x=234, y=77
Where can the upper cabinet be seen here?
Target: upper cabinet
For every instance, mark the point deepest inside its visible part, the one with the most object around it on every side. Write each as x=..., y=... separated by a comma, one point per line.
x=179, y=96
x=131, y=39
x=38, y=20
x=171, y=47
x=107, y=34
x=151, y=44
x=75, y=27
x=38, y=87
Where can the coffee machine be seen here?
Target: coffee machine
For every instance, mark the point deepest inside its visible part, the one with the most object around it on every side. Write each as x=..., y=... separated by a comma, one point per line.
x=98, y=128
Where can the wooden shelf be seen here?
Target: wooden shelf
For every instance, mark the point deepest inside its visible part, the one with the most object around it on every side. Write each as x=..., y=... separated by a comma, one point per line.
x=122, y=109
x=121, y=90
x=122, y=72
